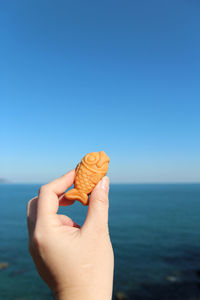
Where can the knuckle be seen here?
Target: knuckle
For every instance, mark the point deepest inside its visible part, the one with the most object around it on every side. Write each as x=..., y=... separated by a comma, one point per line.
x=29, y=204
x=43, y=188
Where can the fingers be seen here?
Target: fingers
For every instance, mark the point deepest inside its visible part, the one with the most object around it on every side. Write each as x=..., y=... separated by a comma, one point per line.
x=59, y=185
x=48, y=201
x=97, y=216
x=32, y=214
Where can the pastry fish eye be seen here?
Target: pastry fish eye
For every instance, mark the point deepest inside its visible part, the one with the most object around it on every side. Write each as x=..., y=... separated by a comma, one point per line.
x=91, y=159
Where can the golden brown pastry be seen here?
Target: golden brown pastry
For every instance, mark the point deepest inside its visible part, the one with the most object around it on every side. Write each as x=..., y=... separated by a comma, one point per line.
x=89, y=171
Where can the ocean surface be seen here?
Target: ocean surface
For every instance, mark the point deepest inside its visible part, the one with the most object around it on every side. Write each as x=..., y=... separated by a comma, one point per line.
x=155, y=231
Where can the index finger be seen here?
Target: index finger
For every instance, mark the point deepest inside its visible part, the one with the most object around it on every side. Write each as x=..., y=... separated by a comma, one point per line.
x=48, y=201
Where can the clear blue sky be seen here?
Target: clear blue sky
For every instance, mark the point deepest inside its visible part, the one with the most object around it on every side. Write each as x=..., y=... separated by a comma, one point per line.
x=82, y=76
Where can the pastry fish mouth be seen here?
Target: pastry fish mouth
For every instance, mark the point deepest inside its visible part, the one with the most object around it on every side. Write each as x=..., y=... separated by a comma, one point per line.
x=103, y=158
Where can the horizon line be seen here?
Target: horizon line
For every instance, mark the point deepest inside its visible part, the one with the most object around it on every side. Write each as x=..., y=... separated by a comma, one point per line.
x=117, y=182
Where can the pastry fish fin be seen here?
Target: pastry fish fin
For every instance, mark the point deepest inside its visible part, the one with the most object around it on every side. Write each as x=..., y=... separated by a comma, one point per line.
x=75, y=194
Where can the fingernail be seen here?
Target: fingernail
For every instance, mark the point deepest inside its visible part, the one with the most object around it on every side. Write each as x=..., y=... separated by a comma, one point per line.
x=104, y=183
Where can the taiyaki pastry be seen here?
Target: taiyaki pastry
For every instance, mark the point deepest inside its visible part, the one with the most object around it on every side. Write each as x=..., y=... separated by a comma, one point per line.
x=92, y=168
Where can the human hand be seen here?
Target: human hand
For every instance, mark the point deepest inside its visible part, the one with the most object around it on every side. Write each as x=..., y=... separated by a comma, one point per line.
x=76, y=263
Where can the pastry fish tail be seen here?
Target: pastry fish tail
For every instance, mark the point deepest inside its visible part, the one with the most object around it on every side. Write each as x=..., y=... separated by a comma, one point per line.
x=75, y=194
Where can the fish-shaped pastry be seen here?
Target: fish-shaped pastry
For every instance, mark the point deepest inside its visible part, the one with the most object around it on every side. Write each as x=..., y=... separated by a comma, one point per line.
x=88, y=172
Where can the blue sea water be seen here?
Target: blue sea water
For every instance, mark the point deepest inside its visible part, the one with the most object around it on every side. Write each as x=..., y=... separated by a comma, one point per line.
x=155, y=231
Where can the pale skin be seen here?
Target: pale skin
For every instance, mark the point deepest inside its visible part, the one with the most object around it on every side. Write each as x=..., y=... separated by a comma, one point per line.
x=76, y=262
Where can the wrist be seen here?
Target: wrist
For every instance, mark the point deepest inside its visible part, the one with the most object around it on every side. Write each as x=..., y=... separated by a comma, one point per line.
x=83, y=294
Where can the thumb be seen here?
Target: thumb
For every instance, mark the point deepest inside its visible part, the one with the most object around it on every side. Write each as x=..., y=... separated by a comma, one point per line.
x=97, y=216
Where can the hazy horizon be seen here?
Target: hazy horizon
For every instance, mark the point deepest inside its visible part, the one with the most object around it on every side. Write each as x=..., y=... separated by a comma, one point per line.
x=111, y=182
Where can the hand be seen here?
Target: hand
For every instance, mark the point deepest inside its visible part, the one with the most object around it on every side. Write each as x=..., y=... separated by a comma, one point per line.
x=76, y=263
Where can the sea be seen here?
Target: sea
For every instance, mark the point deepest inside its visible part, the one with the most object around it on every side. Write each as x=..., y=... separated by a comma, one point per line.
x=155, y=232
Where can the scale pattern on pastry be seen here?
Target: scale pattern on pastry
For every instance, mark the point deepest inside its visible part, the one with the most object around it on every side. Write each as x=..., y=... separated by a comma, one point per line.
x=88, y=173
